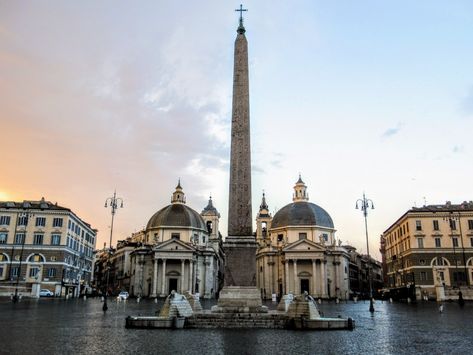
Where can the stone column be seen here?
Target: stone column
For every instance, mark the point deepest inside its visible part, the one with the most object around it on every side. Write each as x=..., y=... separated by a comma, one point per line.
x=155, y=278
x=191, y=275
x=271, y=266
x=321, y=278
x=163, y=286
x=337, y=281
x=324, y=278
x=295, y=276
x=194, y=275
x=286, y=276
x=182, y=276
x=314, y=290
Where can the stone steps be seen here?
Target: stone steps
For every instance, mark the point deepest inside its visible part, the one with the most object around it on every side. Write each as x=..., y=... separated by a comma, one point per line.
x=235, y=320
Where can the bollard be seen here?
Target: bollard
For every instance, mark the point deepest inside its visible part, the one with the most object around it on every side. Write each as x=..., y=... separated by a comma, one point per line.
x=320, y=301
x=390, y=300
x=408, y=300
x=441, y=308
x=138, y=300
x=337, y=301
x=102, y=299
x=351, y=324
x=156, y=300
x=85, y=298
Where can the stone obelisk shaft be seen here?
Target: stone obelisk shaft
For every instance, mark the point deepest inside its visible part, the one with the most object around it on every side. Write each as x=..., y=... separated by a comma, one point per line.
x=240, y=244
x=239, y=211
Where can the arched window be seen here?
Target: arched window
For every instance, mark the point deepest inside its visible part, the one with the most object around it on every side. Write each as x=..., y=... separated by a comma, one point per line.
x=439, y=261
x=35, y=258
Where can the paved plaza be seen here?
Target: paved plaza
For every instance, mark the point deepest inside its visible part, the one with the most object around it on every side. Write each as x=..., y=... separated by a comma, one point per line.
x=52, y=326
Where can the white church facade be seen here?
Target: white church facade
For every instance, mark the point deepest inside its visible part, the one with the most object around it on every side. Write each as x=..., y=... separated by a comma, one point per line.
x=180, y=250
x=297, y=250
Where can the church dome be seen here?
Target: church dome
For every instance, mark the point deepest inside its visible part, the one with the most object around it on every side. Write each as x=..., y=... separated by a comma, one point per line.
x=302, y=214
x=177, y=214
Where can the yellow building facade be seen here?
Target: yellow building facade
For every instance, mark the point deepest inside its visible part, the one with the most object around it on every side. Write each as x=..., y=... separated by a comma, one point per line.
x=44, y=246
x=428, y=251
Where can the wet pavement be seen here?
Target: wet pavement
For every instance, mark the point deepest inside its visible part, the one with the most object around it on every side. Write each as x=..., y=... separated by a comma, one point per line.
x=52, y=326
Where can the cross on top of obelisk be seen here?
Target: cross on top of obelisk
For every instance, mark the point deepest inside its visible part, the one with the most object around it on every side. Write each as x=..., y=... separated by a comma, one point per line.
x=241, y=28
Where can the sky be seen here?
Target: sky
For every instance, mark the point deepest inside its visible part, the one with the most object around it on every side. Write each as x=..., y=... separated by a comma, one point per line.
x=367, y=96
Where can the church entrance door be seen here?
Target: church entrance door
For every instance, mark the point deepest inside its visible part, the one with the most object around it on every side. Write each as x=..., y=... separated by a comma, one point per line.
x=305, y=286
x=172, y=284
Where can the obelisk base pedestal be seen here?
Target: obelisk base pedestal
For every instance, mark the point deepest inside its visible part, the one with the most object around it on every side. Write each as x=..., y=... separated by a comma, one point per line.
x=240, y=261
x=239, y=299
x=239, y=294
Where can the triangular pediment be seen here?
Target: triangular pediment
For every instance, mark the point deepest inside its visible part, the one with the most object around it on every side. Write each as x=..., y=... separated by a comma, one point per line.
x=173, y=245
x=304, y=245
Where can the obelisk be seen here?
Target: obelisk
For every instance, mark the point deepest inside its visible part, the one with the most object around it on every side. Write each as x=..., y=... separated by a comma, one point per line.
x=239, y=294
x=240, y=244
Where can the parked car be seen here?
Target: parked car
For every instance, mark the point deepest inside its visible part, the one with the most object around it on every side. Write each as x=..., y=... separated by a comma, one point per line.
x=45, y=293
x=123, y=295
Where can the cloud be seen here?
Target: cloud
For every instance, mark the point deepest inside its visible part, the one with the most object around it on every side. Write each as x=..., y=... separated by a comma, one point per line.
x=91, y=108
x=392, y=131
x=458, y=149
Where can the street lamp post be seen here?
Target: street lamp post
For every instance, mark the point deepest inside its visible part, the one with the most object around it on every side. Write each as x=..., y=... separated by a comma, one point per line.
x=364, y=204
x=27, y=215
x=114, y=202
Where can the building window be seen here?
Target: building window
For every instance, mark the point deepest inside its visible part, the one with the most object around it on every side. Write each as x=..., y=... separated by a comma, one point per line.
x=175, y=236
x=15, y=271
x=455, y=242
x=53, y=258
x=325, y=236
x=203, y=239
x=418, y=225
x=5, y=220
x=19, y=238
x=422, y=262
x=420, y=243
x=423, y=276
x=40, y=221
x=23, y=221
x=55, y=239
x=471, y=242
x=436, y=225
x=34, y=271
x=3, y=238
x=470, y=224
x=453, y=224
x=38, y=239
x=438, y=243
x=51, y=272
x=280, y=237
x=57, y=222
x=302, y=236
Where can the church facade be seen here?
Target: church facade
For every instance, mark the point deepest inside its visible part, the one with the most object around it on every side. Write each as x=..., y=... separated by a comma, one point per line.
x=297, y=250
x=179, y=250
